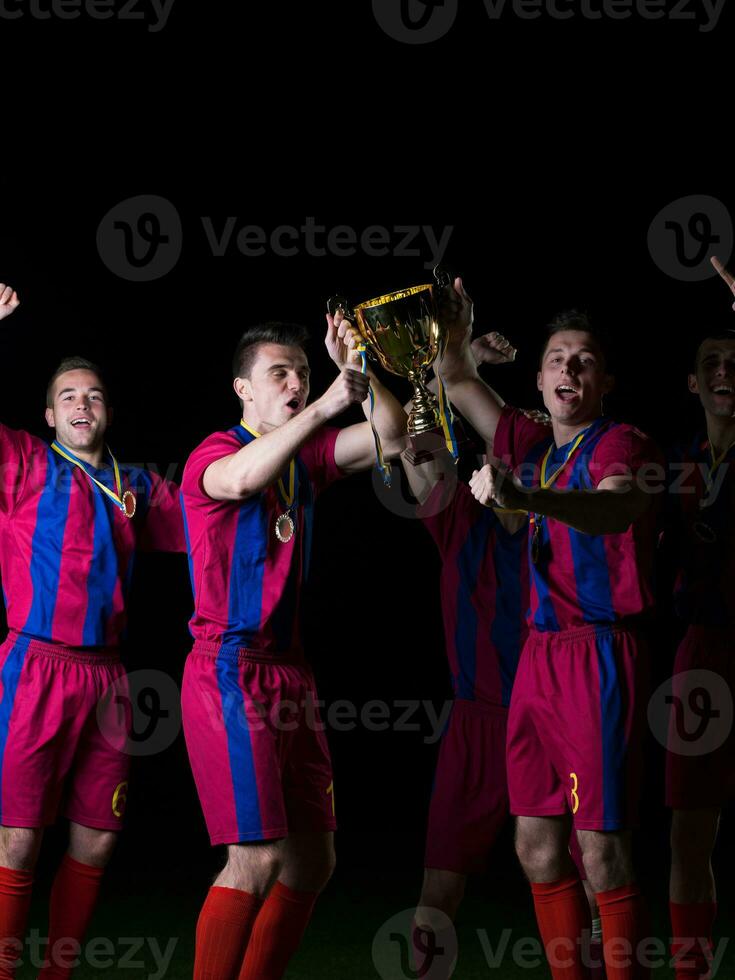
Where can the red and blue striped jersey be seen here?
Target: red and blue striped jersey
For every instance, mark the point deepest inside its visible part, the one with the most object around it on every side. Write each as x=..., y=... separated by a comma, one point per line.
x=701, y=539
x=66, y=549
x=583, y=579
x=247, y=583
x=484, y=594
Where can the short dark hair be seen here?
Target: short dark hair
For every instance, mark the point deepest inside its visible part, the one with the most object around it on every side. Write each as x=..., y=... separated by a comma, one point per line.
x=710, y=333
x=579, y=320
x=271, y=332
x=73, y=364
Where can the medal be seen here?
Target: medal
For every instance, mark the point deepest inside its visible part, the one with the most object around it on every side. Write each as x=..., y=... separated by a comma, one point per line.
x=285, y=528
x=124, y=501
x=129, y=503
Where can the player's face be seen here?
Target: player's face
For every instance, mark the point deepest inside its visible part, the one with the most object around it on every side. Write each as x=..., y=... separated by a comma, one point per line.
x=80, y=412
x=714, y=381
x=278, y=387
x=572, y=378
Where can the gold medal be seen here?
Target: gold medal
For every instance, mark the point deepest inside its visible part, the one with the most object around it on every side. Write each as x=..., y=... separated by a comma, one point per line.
x=129, y=503
x=284, y=528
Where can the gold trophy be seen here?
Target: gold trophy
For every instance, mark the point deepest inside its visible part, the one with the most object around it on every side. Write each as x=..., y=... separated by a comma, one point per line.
x=402, y=331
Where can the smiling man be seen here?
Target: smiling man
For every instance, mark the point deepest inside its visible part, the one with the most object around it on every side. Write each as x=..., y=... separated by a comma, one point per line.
x=701, y=547
x=578, y=704
x=70, y=521
x=257, y=750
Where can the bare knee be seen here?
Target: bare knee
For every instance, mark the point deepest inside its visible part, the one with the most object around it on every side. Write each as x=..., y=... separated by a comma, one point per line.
x=91, y=846
x=693, y=834
x=309, y=861
x=542, y=849
x=607, y=858
x=19, y=847
x=252, y=867
x=443, y=890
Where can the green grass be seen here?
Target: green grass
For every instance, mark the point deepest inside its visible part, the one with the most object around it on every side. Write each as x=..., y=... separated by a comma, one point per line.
x=339, y=942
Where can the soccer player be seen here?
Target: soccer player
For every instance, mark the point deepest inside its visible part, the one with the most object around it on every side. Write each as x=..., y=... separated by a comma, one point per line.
x=578, y=703
x=703, y=549
x=258, y=753
x=70, y=521
x=484, y=595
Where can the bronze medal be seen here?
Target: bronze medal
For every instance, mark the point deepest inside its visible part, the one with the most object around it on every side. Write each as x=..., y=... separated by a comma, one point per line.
x=284, y=528
x=128, y=503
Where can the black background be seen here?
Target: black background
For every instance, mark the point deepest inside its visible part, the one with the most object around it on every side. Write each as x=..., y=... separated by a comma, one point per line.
x=549, y=147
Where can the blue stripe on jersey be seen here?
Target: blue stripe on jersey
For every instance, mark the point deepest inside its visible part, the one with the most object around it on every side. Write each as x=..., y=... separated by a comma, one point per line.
x=10, y=676
x=103, y=572
x=246, y=572
x=47, y=545
x=469, y=560
x=239, y=746
x=284, y=615
x=612, y=727
x=591, y=571
x=508, y=622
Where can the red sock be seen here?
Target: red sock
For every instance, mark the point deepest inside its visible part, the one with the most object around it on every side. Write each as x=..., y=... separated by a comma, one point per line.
x=691, y=944
x=562, y=912
x=277, y=933
x=624, y=919
x=15, y=900
x=223, y=930
x=73, y=898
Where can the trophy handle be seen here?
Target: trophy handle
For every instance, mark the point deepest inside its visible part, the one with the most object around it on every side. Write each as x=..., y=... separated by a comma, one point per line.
x=338, y=302
x=443, y=277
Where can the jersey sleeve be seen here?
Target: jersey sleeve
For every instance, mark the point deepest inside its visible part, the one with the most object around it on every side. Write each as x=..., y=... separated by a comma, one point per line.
x=214, y=447
x=516, y=435
x=317, y=454
x=625, y=451
x=17, y=450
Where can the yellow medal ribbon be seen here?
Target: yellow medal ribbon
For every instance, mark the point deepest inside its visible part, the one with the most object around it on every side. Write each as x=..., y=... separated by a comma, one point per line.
x=125, y=501
x=287, y=497
x=544, y=484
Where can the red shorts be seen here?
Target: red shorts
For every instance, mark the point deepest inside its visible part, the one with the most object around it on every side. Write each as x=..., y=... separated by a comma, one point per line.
x=256, y=745
x=63, y=732
x=576, y=725
x=469, y=803
x=700, y=762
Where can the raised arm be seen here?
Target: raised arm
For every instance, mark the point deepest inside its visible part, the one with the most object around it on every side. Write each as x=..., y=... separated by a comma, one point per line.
x=355, y=446
x=474, y=399
x=258, y=464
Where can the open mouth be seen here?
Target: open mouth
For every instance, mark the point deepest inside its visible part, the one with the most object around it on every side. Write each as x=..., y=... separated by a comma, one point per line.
x=566, y=393
x=294, y=404
x=81, y=423
x=723, y=390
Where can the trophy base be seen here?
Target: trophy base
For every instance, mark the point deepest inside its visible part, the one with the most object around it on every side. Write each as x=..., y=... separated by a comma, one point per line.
x=425, y=446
